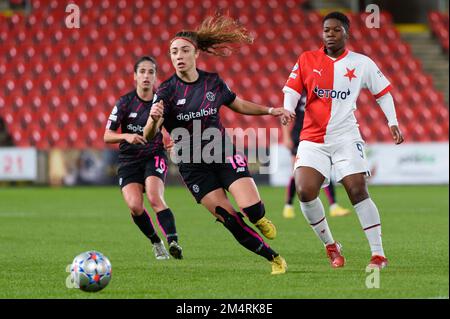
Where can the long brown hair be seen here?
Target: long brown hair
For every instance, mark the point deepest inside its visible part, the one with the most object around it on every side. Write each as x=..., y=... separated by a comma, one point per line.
x=216, y=35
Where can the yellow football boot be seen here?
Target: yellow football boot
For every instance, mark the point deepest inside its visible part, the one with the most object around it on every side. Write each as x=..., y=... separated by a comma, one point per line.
x=288, y=211
x=279, y=265
x=336, y=211
x=267, y=228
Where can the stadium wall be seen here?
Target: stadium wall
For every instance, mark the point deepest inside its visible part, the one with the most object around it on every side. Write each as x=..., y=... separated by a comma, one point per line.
x=411, y=163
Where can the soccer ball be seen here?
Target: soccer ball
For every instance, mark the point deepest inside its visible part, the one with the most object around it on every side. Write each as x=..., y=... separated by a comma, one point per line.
x=90, y=271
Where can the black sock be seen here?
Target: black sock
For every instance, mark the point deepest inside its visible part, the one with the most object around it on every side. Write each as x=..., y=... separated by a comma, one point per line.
x=167, y=223
x=290, y=191
x=144, y=223
x=255, y=212
x=245, y=235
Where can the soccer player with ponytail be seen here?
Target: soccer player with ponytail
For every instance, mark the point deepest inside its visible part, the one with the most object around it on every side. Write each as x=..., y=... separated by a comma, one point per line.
x=143, y=163
x=193, y=97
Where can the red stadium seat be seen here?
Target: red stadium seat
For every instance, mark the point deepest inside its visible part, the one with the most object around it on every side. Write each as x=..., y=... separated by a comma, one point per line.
x=439, y=26
x=441, y=114
x=433, y=98
x=92, y=66
x=391, y=34
x=17, y=134
x=91, y=101
x=54, y=137
x=17, y=102
x=367, y=132
x=99, y=117
x=9, y=117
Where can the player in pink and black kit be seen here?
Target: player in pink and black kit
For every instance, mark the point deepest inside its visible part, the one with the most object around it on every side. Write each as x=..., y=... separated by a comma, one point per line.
x=143, y=164
x=191, y=100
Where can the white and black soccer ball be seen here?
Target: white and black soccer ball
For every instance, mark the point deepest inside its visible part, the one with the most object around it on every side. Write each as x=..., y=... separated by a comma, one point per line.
x=90, y=271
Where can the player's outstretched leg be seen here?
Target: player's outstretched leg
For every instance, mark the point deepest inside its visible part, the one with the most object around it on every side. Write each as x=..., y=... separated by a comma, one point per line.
x=248, y=238
x=164, y=215
x=145, y=224
x=132, y=194
x=308, y=182
x=256, y=215
x=247, y=197
x=315, y=215
x=166, y=222
x=368, y=215
x=370, y=221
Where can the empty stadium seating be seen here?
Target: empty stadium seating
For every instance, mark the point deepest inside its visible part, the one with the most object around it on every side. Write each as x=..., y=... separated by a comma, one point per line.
x=58, y=85
x=439, y=26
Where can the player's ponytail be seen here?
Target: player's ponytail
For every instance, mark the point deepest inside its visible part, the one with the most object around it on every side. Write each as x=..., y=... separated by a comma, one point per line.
x=216, y=35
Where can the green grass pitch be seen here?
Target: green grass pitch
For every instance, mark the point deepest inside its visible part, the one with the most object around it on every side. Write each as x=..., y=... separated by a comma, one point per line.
x=42, y=229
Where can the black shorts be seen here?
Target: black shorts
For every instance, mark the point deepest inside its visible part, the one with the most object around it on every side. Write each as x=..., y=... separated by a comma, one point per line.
x=136, y=172
x=202, y=179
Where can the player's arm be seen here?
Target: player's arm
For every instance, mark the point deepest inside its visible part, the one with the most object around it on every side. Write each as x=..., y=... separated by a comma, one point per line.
x=293, y=86
x=377, y=83
x=154, y=121
x=291, y=98
x=112, y=137
x=249, y=108
x=386, y=103
x=167, y=141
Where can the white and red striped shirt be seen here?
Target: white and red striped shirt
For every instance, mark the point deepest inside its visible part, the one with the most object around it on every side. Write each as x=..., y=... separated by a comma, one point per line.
x=332, y=87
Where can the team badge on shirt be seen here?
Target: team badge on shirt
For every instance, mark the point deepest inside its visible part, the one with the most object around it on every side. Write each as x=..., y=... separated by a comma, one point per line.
x=350, y=74
x=210, y=96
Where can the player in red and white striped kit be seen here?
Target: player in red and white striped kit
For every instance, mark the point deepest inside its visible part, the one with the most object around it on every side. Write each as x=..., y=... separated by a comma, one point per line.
x=331, y=78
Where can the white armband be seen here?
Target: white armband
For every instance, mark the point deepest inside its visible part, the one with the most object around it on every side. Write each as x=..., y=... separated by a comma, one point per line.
x=386, y=103
x=291, y=98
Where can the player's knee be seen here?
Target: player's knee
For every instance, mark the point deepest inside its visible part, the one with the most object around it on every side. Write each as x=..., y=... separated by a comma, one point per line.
x=156, y=202
x=136, y=207
x=255, y=212
x=306, y=193
x=357, y=194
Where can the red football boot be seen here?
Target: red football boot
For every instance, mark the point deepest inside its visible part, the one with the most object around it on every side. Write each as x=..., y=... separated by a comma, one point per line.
x=378, y=262
x=334, y=254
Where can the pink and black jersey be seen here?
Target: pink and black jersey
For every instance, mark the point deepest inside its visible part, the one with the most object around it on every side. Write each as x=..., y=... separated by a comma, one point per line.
x=200, y=101
x=130, y=114
x=332, y=87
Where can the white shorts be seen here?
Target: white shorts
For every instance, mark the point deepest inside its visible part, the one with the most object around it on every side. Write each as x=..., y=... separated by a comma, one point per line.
x=340, y=159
